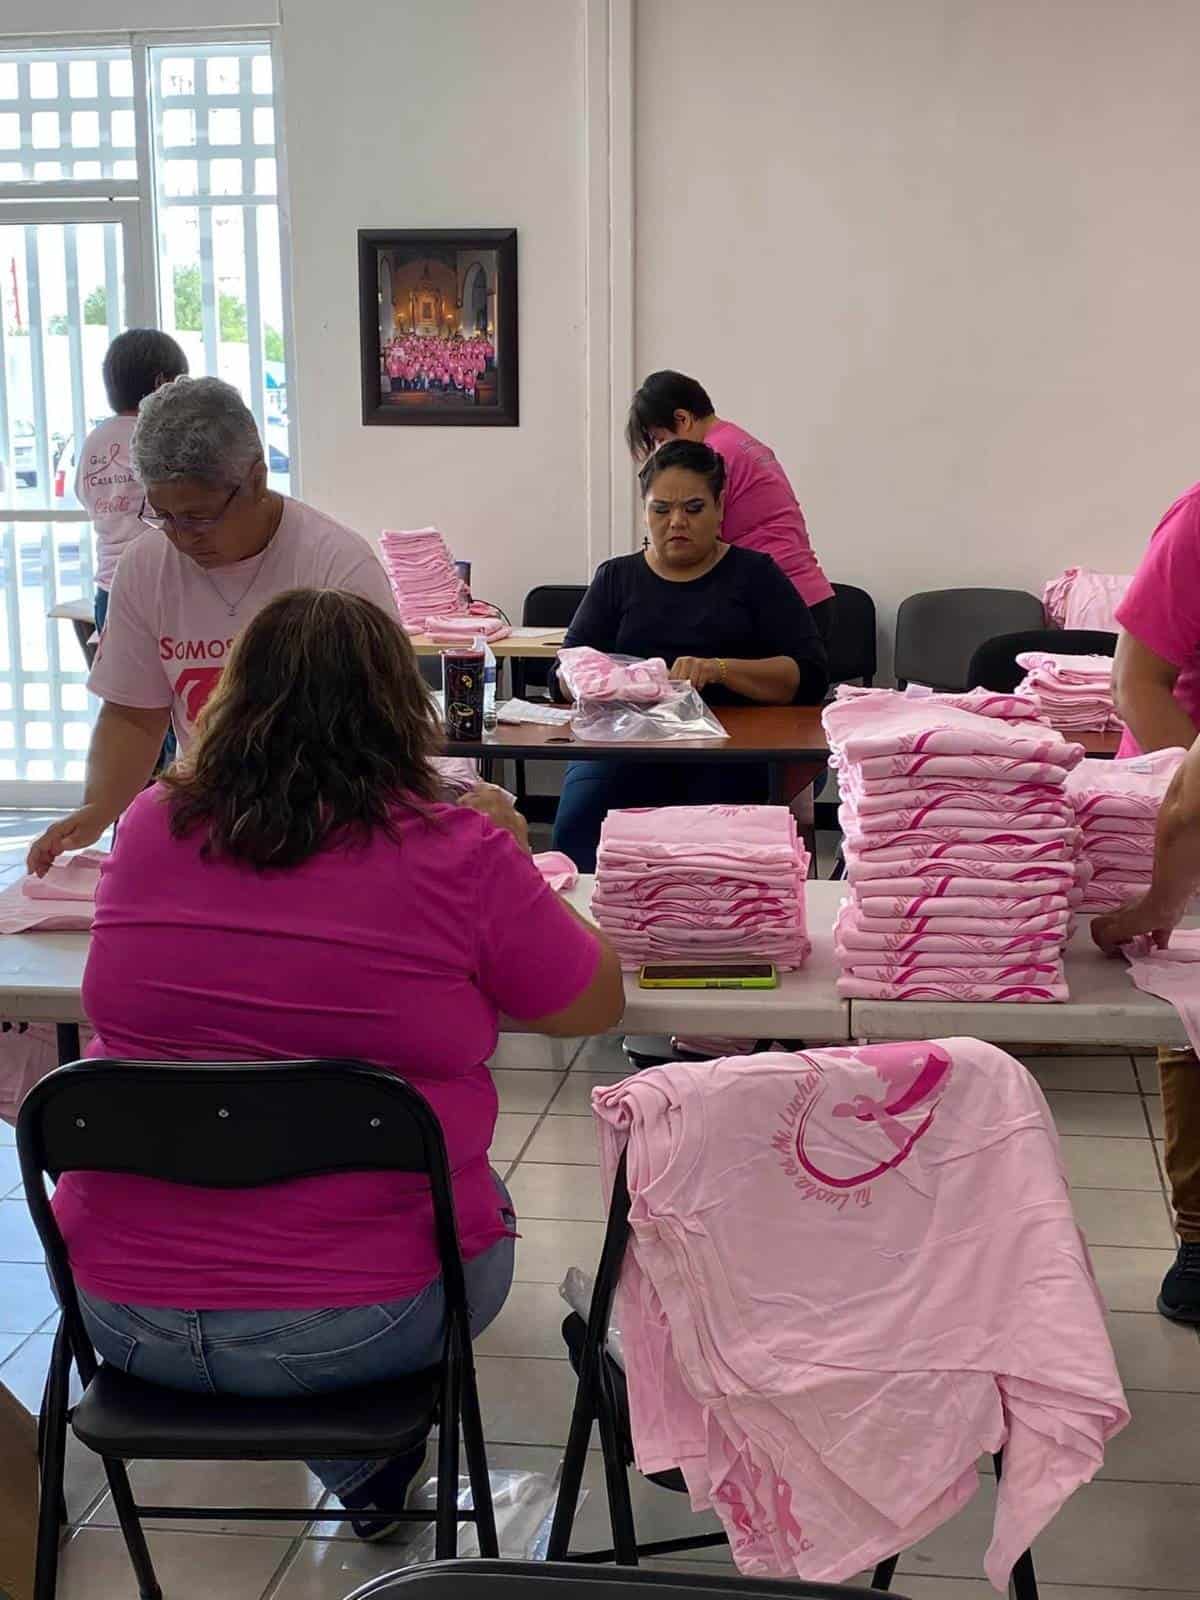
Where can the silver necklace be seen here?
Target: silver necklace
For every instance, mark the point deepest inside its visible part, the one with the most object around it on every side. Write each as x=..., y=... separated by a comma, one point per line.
x=232, y=607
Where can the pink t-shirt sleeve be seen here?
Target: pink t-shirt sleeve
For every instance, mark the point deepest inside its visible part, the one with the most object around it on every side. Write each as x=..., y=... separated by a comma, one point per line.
x=1161, y=608
x=128, y=668
x=534, y=957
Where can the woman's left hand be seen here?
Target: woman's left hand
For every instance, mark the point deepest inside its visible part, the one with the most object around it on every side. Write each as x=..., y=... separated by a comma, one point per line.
x=699, y=671
x=495, y=805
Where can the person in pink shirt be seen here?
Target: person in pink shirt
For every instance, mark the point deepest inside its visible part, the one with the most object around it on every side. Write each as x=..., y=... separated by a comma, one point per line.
x=136, y=363
x=217, y=545
x=761, y=510
x=1156, y=690
x=293, y=888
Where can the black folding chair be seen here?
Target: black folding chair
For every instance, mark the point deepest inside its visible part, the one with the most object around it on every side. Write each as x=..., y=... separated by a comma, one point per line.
x=601, y=1397
x=550, y=605
x=488, y=1580
x=225, y=1125
x=994, y=664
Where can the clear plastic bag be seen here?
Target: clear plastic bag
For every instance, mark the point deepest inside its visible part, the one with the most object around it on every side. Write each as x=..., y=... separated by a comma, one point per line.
x=524, y=1506
x=682, y=715
x=588, y=674
x=576, y=1289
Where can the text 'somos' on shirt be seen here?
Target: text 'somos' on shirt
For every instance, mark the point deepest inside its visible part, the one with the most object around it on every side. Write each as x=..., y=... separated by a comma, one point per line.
x=168, y=632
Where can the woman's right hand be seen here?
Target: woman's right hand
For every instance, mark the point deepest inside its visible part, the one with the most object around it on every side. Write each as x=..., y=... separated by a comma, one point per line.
x=494, y=804
x=76, y=832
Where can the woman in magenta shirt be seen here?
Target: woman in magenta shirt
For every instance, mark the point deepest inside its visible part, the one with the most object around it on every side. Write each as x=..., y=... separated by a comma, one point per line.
x=296, y=889
x=761, y=510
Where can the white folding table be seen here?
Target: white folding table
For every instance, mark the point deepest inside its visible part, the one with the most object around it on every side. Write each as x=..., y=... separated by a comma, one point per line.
x=41, y=975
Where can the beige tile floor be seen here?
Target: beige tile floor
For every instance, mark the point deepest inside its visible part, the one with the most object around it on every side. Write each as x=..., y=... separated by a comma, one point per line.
x=1133, y=1530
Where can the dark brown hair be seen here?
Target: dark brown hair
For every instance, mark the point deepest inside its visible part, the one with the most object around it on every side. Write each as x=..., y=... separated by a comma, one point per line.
x=320, y=726
x=655, y=404
x=691, y=456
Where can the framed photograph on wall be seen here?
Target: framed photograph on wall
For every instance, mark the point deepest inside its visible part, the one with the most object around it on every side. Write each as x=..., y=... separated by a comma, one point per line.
x=438, y=326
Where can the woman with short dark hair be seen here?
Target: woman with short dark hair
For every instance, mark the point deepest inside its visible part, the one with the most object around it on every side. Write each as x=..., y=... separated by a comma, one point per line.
x=293, y=888
x=761, y=510
x=725, y=619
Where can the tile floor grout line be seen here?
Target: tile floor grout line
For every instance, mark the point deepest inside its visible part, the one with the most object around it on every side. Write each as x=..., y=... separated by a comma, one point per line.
x=286, y=1561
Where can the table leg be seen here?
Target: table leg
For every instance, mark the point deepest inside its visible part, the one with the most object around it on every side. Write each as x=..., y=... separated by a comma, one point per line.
x=69, y=1048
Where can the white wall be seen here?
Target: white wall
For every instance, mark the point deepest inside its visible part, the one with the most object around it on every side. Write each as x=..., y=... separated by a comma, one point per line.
x=444, y=113
x=943, y=257
x=941, y=254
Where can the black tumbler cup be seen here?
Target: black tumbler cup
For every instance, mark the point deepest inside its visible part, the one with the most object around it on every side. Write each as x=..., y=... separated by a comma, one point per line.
x=462, y=678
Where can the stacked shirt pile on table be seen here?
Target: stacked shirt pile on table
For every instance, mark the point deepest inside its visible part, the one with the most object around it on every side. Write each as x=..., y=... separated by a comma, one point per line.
x=961, y=847
x=423, y=576
x=711, y=884
x=1081, y=598
x=481, y=622
x=1116, y=806
x=1074, y=693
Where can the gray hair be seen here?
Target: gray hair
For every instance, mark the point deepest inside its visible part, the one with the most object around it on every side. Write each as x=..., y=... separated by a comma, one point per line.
x=197, y=428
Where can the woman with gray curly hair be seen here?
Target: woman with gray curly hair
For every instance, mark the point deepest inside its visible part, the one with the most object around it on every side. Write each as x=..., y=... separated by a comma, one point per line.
x=219, y=544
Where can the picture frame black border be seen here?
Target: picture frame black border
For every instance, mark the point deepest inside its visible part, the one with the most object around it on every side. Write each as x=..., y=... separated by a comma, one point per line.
x=506, y=413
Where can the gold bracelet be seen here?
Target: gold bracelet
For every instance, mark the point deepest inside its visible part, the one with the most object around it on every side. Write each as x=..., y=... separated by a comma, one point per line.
x=722, y=668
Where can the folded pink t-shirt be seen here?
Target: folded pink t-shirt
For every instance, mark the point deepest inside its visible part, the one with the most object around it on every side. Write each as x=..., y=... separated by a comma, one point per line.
x=1161, y=608
x=401, y=951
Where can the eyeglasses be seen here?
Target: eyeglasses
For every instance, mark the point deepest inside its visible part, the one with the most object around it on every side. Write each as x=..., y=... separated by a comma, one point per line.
x=185, y=524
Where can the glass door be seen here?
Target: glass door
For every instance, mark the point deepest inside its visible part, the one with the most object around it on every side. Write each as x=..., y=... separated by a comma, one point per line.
x=67, y=279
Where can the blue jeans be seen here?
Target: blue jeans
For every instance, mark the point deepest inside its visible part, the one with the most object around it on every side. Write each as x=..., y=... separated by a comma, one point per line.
x=283, y=1354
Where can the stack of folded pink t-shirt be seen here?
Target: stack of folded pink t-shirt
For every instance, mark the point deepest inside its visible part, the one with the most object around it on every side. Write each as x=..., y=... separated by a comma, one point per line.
x=712, y=884
x=1116, y=805
x=477, y=624
x=589, y=674
x=423, y=576
x=1074, y=693
x=961, y=847
x=1081, y=598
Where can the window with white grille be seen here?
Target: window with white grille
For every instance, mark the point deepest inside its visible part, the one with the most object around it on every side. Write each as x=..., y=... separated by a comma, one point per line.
x=138, y=186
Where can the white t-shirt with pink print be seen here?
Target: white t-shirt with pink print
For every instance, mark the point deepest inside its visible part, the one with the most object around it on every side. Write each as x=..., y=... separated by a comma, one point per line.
x=108, y=489
x=168, y=631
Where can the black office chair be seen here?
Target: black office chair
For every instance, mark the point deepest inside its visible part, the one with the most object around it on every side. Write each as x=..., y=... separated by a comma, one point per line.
x=853, y=646
x=994, y=664
x=224, y=1125
x=938, y=632
x=602, y=1397
x=550, y=605
x=487, y=1580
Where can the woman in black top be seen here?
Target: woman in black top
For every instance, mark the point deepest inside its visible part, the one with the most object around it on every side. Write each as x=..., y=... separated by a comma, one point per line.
x=724, y=618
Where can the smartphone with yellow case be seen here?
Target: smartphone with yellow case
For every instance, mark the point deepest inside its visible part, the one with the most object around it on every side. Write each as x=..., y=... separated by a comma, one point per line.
x=746, y=975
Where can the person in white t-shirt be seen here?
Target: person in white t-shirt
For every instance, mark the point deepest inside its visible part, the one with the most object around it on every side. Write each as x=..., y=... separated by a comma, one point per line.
x=218, y=545
x=136, y=363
